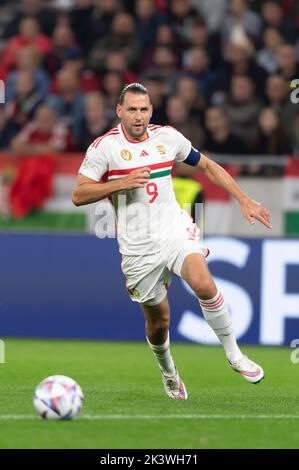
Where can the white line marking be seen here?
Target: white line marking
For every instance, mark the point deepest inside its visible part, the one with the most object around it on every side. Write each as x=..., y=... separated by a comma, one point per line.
x=152, y=417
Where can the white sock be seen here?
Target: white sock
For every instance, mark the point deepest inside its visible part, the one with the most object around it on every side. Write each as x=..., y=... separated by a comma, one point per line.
x=216, y=314
x=162, y=353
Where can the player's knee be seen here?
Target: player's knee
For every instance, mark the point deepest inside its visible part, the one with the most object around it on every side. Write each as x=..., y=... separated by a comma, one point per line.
x=159, y=326
x=204, y=288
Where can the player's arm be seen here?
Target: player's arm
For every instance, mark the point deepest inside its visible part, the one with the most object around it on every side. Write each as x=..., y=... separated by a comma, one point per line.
x=87, y=190
x=250, y=209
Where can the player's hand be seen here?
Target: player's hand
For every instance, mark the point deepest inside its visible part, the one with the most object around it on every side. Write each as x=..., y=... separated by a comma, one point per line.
x=254, y=210
x=136, y=179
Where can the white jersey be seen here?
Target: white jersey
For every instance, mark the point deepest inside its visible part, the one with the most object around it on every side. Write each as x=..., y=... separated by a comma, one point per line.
x=148, y=217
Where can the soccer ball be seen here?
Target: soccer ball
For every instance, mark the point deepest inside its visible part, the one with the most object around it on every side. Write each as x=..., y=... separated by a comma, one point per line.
x=58, y=397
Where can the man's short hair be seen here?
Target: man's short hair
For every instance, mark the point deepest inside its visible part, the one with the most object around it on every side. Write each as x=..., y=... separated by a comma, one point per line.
x=132, y=88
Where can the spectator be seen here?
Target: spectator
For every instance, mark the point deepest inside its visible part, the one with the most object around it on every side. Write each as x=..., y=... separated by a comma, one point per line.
x=278, y=98
x=239, y=60
x=243, y=108
x=112, y=85
x=8, y=129
x=272, y=141
x=44, y=16
x=272, y=14
x=103, y=15
x=213, y=13
x=178, y=117
x=88, y=80
x=219, y=138
x=199, y=34
x=165, y=38
x=29, y=35
x=197, y=65
x=156, y=88
x=200, y=37
x=287, y=62
x=28, y=60
x=7, y=12
x=81, y=22
x=241, y=22
x=181, y=17
x=26, y=99
x=117, y=62
x=266, y=57
x=291, y=9
x=45, y=135
x=69, y=101
x=165, y=65
x=63, y=44
x=147, y=21
x=122, y=38
x=187, y=90
x=95, y=122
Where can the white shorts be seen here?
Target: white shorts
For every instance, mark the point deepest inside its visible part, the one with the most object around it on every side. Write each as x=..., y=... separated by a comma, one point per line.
x=148, y=276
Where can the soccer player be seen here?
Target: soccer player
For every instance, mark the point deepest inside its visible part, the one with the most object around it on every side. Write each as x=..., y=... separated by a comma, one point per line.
x=156, y=237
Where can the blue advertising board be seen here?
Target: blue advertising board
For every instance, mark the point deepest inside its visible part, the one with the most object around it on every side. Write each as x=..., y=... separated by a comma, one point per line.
x=61, y=286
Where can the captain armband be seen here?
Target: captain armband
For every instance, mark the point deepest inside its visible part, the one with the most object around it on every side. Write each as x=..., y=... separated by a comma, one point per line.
x=193, y=157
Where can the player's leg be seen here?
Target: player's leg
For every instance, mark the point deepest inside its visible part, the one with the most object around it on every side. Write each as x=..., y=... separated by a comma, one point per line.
x=147, y=280
x=157, y=320
x=195, y=272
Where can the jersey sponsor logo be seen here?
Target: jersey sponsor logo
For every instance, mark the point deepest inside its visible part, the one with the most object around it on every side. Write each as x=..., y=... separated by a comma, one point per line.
x=126, y=155
x=143, y=153
x=161, y=149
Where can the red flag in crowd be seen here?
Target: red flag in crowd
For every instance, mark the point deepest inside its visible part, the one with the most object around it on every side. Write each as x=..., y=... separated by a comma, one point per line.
x=32, y=186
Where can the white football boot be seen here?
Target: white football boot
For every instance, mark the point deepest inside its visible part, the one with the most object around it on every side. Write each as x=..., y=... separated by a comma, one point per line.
x=174, y=386
x=251, y=371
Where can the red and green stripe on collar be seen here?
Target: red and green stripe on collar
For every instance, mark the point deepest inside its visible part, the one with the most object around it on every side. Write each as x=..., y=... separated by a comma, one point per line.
x=158, y=170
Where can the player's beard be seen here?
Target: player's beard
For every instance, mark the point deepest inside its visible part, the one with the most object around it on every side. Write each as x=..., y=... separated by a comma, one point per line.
x=137, y=132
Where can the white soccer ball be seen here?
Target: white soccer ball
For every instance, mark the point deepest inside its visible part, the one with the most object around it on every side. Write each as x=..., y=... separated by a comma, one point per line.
x=58, y=397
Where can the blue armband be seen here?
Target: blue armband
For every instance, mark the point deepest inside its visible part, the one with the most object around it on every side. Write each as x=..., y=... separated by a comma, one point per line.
x=193, y=157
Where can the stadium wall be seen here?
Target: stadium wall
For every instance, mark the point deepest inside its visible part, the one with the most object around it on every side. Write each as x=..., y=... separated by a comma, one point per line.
x=71, y=286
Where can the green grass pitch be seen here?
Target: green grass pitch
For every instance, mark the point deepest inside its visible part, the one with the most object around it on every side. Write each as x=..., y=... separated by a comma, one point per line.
x=125, y=405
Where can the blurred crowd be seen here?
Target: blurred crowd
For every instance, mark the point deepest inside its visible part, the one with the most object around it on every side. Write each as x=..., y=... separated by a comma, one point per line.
x=220, y=71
